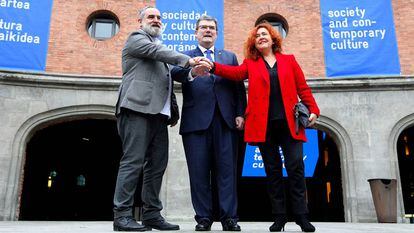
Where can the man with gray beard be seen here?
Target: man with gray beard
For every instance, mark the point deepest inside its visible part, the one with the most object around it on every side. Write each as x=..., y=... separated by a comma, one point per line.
x=146, y=105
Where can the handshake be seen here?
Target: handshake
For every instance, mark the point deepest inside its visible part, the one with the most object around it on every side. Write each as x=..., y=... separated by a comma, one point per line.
x=201, y=66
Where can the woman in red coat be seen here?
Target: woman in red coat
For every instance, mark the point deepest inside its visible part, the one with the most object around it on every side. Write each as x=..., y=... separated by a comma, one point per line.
x=276, y=83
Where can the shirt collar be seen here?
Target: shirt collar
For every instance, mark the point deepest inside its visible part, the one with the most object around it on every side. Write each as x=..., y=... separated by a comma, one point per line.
x=203, y=50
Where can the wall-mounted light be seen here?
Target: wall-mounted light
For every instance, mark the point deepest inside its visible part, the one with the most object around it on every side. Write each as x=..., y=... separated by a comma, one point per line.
x=328, y=192
x=407, y=148
x=50, y=178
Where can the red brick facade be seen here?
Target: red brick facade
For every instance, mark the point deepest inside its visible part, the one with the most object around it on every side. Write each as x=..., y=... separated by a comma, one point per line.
x=71, y=50
x=404, y=28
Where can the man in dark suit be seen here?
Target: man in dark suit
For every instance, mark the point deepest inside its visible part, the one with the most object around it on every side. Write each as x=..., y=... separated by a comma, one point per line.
x=212, y=112
x=143, y=112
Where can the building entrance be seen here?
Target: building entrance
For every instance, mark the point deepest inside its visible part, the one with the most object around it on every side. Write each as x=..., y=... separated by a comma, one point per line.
x=324, y=188
x=70, y=171
x=405, y=148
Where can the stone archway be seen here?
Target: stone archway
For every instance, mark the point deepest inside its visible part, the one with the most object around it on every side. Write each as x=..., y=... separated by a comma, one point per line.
x=343, y=142
x=403, y=125
x=26, y=132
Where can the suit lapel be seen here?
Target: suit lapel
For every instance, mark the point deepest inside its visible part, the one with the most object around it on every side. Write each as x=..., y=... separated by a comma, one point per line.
x=218, y=56
x=281, y=66
x=263, y=70
x=152, y=39
x=197, y=53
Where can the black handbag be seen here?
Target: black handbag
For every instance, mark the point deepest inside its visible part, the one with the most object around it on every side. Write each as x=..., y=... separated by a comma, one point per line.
x=301, y=116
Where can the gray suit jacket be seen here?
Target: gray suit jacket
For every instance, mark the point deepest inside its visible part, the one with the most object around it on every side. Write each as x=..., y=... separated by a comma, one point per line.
x=146, y=73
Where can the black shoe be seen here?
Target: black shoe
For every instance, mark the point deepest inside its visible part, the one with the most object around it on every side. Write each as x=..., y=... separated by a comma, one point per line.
x=161, y=225
x=128, y=223
x=231, y=225
x=203, y=225
x=279, y=224
x=304, y=223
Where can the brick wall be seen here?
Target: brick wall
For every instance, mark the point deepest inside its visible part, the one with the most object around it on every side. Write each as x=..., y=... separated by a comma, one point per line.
x=404, y=29
x=71, y=50
x=305, y=34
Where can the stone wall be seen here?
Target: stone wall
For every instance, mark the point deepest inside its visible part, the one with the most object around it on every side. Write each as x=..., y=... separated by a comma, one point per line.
x=365, y=116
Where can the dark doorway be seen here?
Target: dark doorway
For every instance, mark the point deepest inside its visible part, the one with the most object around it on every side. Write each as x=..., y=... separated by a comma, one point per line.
x=324, y=189
x=405, y=149
x=70, y=171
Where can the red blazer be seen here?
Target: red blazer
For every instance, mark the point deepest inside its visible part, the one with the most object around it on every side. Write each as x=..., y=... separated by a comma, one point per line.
x=292, y=85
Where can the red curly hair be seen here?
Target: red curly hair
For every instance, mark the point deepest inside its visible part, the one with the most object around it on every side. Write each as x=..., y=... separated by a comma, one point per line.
x=250, y=51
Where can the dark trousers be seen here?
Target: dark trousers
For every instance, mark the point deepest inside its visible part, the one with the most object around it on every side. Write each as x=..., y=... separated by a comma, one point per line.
x=278, y=135
x=213, y=149
x=145, y=148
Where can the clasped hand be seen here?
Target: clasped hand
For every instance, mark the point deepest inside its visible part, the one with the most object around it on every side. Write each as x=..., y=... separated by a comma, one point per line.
x=201, y=66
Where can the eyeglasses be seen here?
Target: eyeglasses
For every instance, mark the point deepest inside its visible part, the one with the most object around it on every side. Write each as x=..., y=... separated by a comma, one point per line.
x=205, y=27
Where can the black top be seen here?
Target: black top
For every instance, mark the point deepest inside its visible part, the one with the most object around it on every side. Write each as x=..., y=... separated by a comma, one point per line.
x=276, y=109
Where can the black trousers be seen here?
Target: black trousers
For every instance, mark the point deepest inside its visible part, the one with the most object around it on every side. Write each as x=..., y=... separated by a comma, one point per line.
x=278, y=135
x=145, y=148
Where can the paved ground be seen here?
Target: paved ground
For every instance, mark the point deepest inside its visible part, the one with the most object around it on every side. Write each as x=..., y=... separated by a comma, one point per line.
x=102, y=227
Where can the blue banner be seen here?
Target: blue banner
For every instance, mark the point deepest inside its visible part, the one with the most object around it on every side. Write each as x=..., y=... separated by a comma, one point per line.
x=359, y=38
x=179, y=18
x=24, y=34
x=253, y=161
